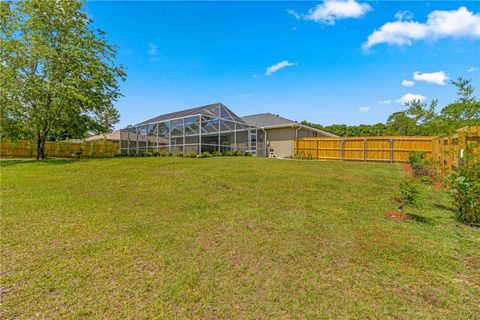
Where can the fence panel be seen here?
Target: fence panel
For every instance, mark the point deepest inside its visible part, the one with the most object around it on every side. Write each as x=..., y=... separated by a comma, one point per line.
x=59, y=149
x=386, y=149
x=447, y=151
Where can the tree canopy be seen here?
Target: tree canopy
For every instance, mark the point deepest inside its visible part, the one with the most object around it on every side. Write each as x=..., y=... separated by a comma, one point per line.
x=58, y=76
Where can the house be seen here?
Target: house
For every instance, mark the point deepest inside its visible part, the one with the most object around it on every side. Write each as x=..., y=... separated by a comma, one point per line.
x=215, y=127
x=113, y=136
x=280, y=133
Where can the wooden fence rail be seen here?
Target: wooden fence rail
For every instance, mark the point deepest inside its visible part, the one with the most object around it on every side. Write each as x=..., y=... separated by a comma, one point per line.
x=60, y=149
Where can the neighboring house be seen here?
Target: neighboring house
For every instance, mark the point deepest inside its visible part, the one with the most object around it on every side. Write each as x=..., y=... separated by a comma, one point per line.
x=281, y=132
x=113, y=136
x=213, y=128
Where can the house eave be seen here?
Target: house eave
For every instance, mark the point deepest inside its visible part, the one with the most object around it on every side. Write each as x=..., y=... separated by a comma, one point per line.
x=298, y=125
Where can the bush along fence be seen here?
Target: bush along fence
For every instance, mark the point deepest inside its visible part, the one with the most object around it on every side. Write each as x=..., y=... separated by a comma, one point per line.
x=60, y=149
x=444, y=152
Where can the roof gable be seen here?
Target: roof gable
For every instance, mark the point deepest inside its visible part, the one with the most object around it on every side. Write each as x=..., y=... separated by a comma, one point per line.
x=218, y=110
x=266, y=120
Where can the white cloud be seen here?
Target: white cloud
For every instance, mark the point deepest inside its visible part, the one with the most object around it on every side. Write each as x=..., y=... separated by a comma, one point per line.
x=153, y=51
x=404, y=15
x=408, y=83
x=364, y=109
x=279, y=66
x=410, y=97
x=434, y=77
x=331, y=10
x=385, y=101
x=440, y=24
x=472, y=69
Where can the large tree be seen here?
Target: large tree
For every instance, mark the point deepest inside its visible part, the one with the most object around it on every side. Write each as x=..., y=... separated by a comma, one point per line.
x=58, y=75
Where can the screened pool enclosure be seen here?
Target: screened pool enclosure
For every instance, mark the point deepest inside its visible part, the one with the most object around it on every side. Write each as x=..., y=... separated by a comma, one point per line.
x=209, y=128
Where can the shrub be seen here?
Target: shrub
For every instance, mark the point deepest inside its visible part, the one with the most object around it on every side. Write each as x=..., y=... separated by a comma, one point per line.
x=228, y=153
x=248, y=154
x=408, y=193
x=156, y=153
x=165, y=154
x=420, y=166
x=191, y=155
x=426, y=180
x=237, y=153
x=464, y=184
x=416, y=159
x=147, y=154
x=178, y=154
x=205, y=154
x=217, y=154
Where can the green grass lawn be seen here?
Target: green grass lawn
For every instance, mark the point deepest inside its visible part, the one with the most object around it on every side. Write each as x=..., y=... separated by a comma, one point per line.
x=225, y=238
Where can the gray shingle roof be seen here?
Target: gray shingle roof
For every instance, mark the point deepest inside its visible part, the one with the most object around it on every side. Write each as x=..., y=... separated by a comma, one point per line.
x=209, y=110
x=266, y=120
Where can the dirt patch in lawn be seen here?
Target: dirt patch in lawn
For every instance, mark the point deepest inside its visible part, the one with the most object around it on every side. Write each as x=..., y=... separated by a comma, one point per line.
x=396, y=215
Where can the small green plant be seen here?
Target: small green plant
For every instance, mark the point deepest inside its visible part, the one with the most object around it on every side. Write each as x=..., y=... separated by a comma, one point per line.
x=420, y=166
x=191, y=155
x=179, y=154
x=147, y=154
x=165, y=154
x=408, y=193
x=205, y=154
x=248, y=154
x=237, y=153
x=228, y=153
x=464, y=184
x=298, y=156
x=416, y=159
x=217, y=154
x=309, y=156
x=425, y=180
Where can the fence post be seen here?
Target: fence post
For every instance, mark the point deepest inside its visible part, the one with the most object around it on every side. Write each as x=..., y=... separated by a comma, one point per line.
x=391, y=150
x=365, y=150
x=316, y=149
x=342, y=148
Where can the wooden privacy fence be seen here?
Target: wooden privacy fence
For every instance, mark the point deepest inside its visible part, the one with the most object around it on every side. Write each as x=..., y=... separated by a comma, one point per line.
x=448, y=150
x=59, y=149
x=445, y=152
x=387, y=149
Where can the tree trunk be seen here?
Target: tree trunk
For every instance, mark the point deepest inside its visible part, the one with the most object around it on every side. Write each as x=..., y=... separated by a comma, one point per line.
x=40, y=146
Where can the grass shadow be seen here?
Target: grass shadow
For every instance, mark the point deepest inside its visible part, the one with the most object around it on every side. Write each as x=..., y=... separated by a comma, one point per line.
x=444, y=207
x=12, y=162
x=419, y=218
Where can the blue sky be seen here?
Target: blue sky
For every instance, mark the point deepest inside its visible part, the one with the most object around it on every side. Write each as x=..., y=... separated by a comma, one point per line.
x=323, y=67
